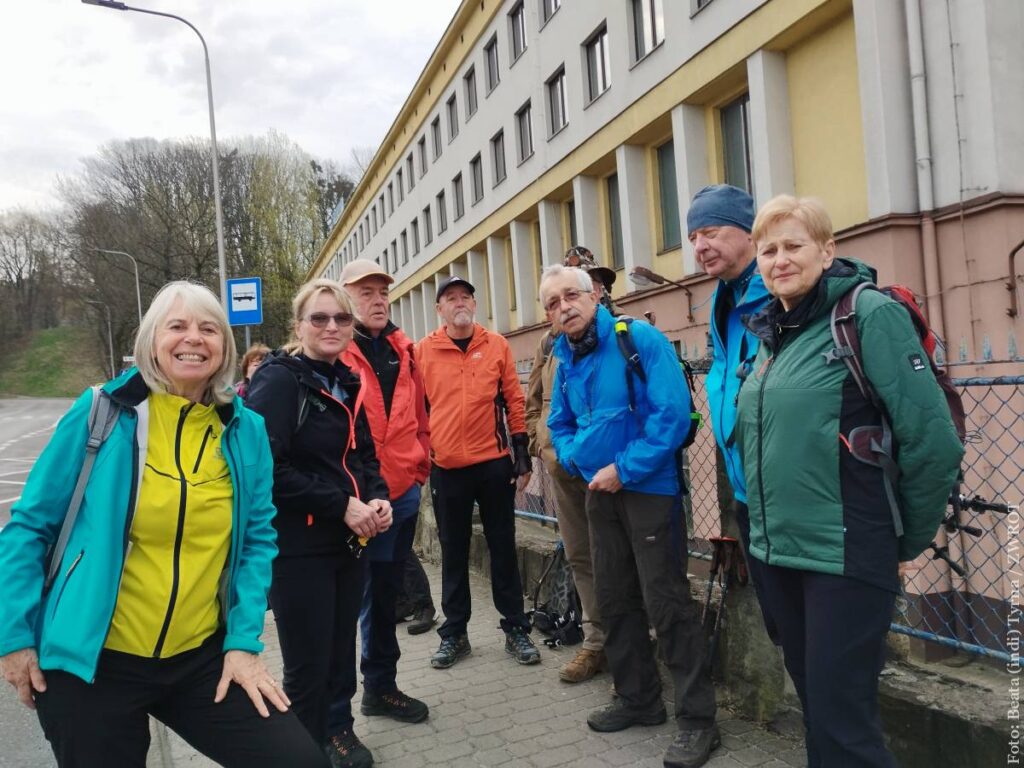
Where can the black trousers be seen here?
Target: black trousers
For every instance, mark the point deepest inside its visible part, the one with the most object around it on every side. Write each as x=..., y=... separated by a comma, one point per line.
x=106, y=723
x=454, y=491
x=832, y=630
x=638, y=575
x=316, y=603
x=415, y=591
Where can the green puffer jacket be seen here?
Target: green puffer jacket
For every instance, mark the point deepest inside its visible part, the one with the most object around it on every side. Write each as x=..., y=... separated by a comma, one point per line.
x=813, y=506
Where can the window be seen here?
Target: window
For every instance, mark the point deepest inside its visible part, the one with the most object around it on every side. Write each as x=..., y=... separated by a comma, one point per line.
x=736, y=143
x=548, y=8
x=556, y=101
x=401, y=186
x=570, y=213
x=380, y=205
x=453, y=118
x=599, y=68
x=382, y=260
x=524, y=132
x=435, y=135
x=517, y=29
x=421, y=146
x=476, y=172
x=405, y=248
x=470, y=80
x=442, y=213
x=498, y=157
x=668, y=196
x=373, y=213
x=618, y=250
x=394, y=257
x=362, y=238
x=457, y=197
x=410, y=172
x=491, y=56
x=415, y=226
x=428, y=229
x=648, y=27
x=391, y=199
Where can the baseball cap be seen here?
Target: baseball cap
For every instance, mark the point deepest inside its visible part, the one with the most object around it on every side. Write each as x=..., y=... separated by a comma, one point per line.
x=360, y=269
x=448, y=282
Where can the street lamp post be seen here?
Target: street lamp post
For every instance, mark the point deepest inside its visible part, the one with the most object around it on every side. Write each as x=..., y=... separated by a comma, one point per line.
x=642, y=277
x=138, y=290
x=221, y=263
x=110, y=333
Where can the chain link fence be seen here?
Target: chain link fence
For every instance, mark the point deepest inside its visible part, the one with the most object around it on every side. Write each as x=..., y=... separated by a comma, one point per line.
x=968, y=612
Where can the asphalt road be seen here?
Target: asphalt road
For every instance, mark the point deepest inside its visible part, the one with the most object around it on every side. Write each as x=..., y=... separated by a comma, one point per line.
x=25, y=426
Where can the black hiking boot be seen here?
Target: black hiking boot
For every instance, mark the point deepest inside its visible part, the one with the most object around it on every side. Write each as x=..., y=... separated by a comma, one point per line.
x=617, y=717
x=423, y=619
x=396, y=705
x=345, y=750
x=521, y=647
x=692, y=748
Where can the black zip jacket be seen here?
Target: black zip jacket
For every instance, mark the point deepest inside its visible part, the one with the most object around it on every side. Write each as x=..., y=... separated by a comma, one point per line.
x=322, y=462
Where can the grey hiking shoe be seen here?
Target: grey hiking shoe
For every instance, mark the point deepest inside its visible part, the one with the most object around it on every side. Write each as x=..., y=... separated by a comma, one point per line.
x=692, y=748
x=451, y=650
x=423, y=619
x=519, y=645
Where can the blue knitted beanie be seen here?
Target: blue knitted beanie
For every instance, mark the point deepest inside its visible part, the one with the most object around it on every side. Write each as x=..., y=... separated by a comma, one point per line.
x=718, y=205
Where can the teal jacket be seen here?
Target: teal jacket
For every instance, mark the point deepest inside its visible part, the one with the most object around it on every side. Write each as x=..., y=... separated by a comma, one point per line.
x=722, y=383
x=591, y=424
x=68, y=625
x=813, y=505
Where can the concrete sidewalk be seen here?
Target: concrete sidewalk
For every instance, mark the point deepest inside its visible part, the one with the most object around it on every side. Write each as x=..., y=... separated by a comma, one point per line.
x=489, y=711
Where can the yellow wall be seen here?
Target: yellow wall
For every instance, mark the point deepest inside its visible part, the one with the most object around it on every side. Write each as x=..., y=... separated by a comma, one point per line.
x=828, y=142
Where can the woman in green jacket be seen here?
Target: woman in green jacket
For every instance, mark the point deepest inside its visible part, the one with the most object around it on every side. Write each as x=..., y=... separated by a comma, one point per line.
x=158, y=604
x=820, y=519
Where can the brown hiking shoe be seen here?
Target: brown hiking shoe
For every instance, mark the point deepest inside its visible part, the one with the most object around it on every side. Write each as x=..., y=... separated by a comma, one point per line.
x=586, y=664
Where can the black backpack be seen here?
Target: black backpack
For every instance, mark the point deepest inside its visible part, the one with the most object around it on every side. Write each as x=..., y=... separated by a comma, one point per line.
x=558, y=616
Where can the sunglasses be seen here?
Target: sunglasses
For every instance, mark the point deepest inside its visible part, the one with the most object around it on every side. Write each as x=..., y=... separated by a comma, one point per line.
x=321, y=319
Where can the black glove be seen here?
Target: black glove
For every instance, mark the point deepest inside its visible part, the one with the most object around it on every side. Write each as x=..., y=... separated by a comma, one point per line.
x=522, y=463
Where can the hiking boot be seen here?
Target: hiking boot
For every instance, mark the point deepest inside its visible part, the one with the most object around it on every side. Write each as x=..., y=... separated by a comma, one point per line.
x=451, y=650
x=692, y=748
x=586, y=664
x=521, y=647
x=617, y=717
x=422, y=620
x=396, y=705
x=345, y=750
x=403, y=611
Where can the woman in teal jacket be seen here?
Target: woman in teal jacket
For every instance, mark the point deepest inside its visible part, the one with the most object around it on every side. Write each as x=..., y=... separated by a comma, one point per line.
x=820, y=520
x=158, y=603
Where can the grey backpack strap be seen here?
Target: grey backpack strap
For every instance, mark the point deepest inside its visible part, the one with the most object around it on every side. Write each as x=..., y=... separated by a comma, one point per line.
x=102, y=417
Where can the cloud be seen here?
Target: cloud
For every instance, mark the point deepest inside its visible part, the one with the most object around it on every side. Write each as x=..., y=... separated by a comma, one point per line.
x=331, y=74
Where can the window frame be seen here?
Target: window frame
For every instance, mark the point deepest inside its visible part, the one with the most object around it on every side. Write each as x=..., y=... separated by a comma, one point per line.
x=743, y=103
x=498, y=162
x=458, y=196
x=524, y=112
x=649, y=8
x=517, y=23
x=664, y=204
x=400, y=178
x=405, y=247
x=476, y=176
x=557, y=80
x=548, y=8
x=435, y=137
x=469, y=84
x=421, y=148
x=428, y=229
x=442, y=212
x=616, y=237
x=452, y=110
x=493, y=76
x=410, y=171
x=597, y=63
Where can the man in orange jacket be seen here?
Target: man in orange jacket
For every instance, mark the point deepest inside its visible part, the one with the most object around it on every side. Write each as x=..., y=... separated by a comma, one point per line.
x=472, y=387
x=382, y=357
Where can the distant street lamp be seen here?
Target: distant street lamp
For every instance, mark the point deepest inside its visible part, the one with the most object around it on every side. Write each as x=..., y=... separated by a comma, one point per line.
x=642, y=277
x=110, y=333
x=138, y=291
x=221, y=263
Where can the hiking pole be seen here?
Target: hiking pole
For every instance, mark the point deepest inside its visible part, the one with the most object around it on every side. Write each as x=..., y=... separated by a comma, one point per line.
x=715, y=562
x=728, y=546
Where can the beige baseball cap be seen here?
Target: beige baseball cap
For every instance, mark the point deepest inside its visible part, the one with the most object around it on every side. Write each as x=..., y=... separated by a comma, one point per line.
x=360, y=269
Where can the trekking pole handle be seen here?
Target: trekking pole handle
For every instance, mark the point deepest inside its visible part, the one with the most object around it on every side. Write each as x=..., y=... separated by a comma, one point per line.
x=981, y=504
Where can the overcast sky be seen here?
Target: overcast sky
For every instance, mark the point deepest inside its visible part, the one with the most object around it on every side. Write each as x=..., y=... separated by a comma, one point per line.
x=330, y=74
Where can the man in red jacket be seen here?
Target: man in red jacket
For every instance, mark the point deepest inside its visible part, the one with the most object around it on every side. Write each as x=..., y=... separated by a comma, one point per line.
x=382, y=356
x=472, y=387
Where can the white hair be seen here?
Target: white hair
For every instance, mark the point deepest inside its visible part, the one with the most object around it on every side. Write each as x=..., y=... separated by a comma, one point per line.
x=200, y=301
x=583, y=279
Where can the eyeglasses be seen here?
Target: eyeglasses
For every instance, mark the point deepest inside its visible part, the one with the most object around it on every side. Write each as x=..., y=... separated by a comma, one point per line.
x=572, y=296
x=321, y=319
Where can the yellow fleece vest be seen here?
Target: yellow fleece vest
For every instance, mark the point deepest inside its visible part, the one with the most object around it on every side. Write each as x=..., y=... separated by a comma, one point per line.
x=180, y=536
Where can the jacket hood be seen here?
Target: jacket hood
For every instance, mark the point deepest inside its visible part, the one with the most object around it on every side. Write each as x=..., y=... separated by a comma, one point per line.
x=838, y=279
x=302, y=370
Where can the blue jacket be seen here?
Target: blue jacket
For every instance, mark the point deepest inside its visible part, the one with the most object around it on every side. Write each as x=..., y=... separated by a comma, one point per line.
x=591, y=424
x=723, y=385
x=68, y=626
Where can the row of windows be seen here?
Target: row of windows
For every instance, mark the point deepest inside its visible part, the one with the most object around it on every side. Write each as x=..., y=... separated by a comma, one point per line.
x=647, y=28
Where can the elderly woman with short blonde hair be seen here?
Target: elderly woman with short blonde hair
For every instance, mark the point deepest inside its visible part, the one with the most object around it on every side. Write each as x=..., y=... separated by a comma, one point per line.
x=158, y=602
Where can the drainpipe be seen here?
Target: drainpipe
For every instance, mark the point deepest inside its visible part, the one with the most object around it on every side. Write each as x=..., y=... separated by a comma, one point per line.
x=922, y=145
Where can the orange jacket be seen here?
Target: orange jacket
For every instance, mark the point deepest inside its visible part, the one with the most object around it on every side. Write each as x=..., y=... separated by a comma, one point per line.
x=403, y=441
x=469, y=395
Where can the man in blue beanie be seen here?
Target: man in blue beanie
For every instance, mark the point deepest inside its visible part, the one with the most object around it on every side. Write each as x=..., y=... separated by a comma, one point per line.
x=718, y=224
